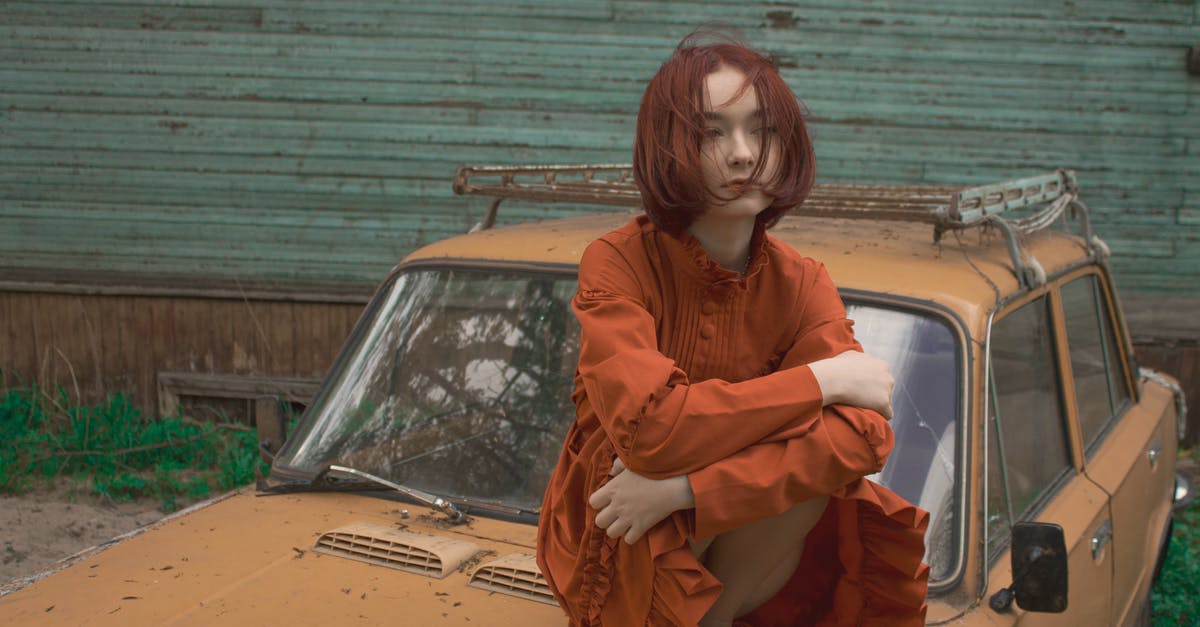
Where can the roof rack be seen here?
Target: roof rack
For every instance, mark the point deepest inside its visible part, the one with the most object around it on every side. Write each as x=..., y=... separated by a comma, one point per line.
x=947, y=208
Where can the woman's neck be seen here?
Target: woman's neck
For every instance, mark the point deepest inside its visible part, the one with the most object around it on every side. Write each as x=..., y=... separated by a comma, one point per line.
x=726, y=240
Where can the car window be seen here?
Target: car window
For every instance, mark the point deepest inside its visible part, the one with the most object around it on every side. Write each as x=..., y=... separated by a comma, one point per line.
x=923, y=355
x=1029, y=444
x=1100, y=388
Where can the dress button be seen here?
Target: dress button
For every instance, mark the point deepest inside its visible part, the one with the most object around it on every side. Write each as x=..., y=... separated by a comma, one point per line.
x=707, y=331
x=708, y=308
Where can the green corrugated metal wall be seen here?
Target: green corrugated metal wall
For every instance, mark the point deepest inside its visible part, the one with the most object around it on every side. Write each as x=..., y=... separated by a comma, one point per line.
x=310, y=142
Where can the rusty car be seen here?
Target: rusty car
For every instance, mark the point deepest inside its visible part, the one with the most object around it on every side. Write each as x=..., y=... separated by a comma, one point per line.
x=409, y=491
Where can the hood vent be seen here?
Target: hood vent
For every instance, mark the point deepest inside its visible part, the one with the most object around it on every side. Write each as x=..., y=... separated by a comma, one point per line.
x=418, y=553
x=517, y=575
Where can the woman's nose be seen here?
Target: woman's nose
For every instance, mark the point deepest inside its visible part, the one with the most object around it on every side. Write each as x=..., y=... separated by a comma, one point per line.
x=742, y=150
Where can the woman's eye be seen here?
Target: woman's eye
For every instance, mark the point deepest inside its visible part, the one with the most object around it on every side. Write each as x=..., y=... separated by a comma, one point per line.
x=712, y=131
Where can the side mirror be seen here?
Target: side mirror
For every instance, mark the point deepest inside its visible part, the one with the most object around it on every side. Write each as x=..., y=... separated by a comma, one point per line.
x=1039, y=566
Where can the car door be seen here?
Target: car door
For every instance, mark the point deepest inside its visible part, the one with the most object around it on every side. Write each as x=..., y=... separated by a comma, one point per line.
x=1033, y=472
x=1128, y=443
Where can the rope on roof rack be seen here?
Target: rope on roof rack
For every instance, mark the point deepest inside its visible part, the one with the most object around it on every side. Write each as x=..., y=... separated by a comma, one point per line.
x=945, y=207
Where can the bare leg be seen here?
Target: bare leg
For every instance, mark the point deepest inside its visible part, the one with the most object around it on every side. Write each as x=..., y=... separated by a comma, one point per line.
x=755, y=561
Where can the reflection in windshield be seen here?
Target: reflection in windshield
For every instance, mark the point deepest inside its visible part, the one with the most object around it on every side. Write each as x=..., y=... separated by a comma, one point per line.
x=460, y=386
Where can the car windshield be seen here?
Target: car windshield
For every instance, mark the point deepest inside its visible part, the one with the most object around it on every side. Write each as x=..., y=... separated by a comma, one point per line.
x=458, y=383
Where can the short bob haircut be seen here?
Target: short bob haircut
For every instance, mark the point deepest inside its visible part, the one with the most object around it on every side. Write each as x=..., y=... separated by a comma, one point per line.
x=670, y=130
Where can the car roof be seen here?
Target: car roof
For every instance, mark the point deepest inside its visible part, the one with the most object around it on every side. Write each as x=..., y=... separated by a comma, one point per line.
x=966, y=272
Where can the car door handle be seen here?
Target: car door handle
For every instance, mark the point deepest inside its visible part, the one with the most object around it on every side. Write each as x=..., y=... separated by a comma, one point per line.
x=1153, y=454
x=1101, y=537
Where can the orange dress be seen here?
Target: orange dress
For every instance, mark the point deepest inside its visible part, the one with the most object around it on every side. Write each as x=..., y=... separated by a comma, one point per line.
x=688, y=368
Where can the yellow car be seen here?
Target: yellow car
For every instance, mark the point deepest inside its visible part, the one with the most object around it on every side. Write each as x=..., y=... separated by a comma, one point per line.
x=409, y=492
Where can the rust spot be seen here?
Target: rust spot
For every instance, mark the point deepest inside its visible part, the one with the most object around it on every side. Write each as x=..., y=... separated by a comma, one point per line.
x=173, y=125
x=781, y=61
x=456, y=104
x=155, y=22
x=474, y=560
x=781, y=19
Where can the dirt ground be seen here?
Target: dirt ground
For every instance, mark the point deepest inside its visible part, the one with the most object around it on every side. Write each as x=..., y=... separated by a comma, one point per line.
x=53, y=522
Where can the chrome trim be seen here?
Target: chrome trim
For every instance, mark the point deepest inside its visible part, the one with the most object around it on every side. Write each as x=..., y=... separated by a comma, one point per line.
x=1153, y=453
x=984, y=558
x=1180, y=399
x=1102, y=537
x=1184, y=492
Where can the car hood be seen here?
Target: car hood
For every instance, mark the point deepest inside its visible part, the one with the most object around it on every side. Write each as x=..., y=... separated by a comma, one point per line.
x=331, y=558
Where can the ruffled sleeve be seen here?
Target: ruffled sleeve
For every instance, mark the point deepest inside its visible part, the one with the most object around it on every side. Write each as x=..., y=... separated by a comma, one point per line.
x=661, y=423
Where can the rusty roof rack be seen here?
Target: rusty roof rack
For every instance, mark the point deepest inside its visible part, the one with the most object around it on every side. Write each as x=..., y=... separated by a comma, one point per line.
x=945, y=207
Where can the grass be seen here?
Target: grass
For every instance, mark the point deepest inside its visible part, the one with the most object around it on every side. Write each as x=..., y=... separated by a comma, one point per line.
x=1176, y=595
x=121, y=453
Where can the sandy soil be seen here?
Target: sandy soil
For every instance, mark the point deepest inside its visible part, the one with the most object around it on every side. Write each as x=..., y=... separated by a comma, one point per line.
x=53, y=522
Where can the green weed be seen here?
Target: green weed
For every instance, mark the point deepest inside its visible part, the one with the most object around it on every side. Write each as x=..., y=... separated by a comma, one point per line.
x=1176, y=596
x=126, y=456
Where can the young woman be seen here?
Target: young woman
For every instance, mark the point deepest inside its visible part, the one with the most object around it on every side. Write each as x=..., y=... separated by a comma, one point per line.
x=726, y=416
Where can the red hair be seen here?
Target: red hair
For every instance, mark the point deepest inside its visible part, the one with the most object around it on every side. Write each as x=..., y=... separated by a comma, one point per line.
x=670, y=130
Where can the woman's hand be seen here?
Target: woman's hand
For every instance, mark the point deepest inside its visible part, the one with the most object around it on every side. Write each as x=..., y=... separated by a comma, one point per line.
x=855, y=379
x=630, y=504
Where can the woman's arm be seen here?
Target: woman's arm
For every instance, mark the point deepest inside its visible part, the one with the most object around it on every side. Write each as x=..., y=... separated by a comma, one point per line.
x=769, y=478
x=760, y=481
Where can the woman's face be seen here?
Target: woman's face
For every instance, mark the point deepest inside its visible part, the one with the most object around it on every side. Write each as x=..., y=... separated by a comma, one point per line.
x=733, y=129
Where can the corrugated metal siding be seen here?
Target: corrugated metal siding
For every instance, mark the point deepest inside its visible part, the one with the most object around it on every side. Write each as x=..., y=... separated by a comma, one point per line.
x=314, y=142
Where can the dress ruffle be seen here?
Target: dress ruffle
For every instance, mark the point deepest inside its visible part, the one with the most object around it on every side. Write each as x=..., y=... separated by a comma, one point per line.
x=684, y=589
x=862, y=566
x=881, y=542
x=714, y=272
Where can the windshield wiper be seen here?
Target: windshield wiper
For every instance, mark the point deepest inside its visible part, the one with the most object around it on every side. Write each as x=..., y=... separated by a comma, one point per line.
x=432, y=500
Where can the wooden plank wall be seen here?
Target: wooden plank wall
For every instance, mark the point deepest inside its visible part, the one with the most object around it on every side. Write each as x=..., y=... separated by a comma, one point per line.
x=94, y=345
x=1180, y=359
x=274, y=140
x=294, y=150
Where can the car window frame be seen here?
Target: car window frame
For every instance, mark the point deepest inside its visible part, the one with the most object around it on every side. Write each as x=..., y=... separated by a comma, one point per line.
x=1120, y=338
x=1053, y=306
x=966, y=359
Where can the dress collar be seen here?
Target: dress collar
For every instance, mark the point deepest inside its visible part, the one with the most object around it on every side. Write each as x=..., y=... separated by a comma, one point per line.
x=700, y=264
